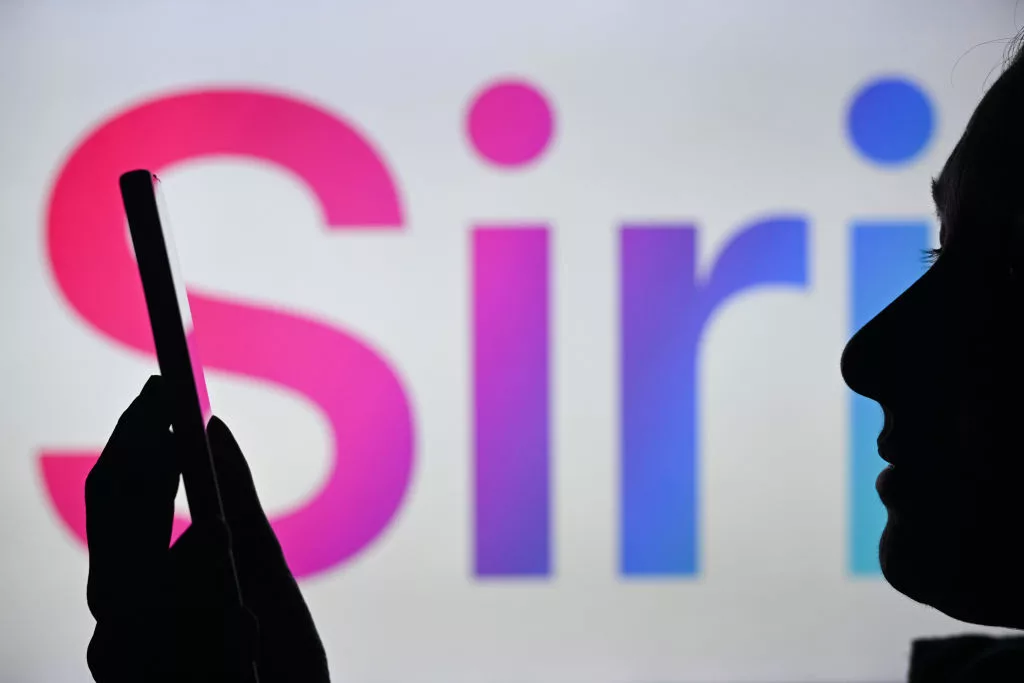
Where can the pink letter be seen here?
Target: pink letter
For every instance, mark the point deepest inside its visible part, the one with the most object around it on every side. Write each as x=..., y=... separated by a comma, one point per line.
x=352, y=383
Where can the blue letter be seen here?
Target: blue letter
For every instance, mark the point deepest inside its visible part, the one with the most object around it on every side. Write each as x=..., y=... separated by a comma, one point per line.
x=886, y=261
x=664, y=310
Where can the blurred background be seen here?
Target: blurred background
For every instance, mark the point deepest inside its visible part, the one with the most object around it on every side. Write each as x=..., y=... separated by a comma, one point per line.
x=440, y=257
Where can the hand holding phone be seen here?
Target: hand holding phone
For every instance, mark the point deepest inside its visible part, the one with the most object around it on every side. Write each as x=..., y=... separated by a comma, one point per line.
x=172, y=615
x=177, y=614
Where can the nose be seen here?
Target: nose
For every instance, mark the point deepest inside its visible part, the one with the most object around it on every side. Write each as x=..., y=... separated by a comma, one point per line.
x=850, y=365
x=862, y=360
x=893, y=356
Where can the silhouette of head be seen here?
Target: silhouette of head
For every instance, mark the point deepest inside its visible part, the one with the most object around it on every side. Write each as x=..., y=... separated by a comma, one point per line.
x=945, y=361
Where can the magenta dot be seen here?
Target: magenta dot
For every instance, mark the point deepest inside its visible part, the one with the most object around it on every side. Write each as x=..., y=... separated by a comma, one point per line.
x=510, y=123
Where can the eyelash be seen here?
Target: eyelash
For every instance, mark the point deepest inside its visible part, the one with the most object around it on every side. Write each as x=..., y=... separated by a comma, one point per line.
x=932, y=255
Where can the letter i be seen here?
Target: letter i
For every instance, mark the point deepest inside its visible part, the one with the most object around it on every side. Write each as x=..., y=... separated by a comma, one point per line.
x=510, y=124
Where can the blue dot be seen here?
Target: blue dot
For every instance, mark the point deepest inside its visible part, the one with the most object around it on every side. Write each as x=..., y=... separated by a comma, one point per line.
x=891, y=121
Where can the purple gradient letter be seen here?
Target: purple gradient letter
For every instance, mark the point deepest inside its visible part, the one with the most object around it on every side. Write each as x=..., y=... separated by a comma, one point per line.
x=510, y=347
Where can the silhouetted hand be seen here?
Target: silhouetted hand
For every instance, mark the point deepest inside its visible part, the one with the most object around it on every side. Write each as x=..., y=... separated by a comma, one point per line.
x=170, y=613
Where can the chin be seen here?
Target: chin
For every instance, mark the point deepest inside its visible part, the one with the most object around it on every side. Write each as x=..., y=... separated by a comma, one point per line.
x=929, y=568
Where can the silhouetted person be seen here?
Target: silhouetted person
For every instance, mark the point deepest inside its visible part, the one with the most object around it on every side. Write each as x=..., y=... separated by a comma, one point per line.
x=945, y=361
x=167, y=613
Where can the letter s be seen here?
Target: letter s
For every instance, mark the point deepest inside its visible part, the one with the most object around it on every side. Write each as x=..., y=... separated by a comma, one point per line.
x=353, y=385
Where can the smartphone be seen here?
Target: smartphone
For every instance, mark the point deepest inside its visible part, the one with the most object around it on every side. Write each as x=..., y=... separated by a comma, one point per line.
x=171, y=321
x=174, y=339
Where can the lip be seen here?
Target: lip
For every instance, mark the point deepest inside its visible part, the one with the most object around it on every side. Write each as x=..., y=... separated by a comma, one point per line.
x=884, y=476
x=883, y=484
x=887, y=484
x=885, y=452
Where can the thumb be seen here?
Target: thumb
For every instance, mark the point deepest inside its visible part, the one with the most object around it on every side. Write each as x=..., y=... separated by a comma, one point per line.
x=250, y=529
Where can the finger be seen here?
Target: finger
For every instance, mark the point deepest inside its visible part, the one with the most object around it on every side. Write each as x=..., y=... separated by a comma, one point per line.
x=130, y=651
x=286, y=633
x=201, y=569
x=250, y=528
x=129, y=508
x=211, y=631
